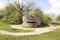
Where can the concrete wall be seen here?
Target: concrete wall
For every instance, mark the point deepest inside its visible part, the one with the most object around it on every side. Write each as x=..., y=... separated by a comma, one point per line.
x=31, y=19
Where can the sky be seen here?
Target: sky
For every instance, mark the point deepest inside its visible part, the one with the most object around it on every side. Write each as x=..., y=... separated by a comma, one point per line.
x=47, y=6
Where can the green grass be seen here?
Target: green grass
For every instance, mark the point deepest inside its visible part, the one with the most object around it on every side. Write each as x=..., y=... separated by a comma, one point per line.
x=56, y=23
x=43, y=25
x=6, y=27
x=55, y=35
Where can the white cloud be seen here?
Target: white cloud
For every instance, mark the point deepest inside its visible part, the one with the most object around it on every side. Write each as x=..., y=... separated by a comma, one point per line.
x=2, y=5
x=55, y=6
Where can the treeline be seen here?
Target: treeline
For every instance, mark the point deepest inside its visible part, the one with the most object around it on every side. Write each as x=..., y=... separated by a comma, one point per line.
x=11, y=15
x=13, y=12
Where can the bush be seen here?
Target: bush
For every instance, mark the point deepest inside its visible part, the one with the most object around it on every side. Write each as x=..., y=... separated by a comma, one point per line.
x=45, y=19
x=11, y=19
x=12, y=16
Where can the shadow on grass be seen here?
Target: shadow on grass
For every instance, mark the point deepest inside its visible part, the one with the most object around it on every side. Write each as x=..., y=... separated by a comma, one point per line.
x=55, y=23
x=43, y=25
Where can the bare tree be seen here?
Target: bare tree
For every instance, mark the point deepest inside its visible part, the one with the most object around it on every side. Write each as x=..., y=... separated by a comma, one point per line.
x=23, y=8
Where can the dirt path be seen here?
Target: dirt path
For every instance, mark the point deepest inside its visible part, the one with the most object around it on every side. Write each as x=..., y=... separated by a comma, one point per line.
x=37, y=31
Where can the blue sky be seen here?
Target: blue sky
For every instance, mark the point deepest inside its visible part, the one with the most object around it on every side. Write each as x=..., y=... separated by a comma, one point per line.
x=43, y=4
x=47, y=6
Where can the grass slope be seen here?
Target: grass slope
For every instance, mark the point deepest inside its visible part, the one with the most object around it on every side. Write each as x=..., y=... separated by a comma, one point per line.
x=7, y=27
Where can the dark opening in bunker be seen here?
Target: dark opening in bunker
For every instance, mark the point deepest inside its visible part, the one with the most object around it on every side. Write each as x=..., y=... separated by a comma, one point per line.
x=31, y=22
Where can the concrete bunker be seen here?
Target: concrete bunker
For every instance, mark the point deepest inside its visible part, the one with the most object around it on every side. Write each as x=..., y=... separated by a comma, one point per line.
x=31, y=20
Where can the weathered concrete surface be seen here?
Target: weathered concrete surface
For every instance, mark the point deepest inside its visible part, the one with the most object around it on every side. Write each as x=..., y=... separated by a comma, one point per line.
x=31, y=20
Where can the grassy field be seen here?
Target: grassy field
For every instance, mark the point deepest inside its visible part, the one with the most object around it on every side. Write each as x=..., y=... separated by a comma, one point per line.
x=55, y=35
x=56, y=23
x=7, y=27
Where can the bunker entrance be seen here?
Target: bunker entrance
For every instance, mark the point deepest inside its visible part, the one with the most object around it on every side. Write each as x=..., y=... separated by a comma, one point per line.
x=31, y=22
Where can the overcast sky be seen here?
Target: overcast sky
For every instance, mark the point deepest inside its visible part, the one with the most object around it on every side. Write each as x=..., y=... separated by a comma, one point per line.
x=47, y=6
